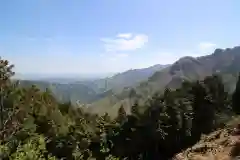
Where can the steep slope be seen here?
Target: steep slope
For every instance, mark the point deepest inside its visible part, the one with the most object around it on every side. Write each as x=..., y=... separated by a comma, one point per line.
x=129, y=78
x=91, y=90
x=222, y=144
x=188, y=68
x=224, y=62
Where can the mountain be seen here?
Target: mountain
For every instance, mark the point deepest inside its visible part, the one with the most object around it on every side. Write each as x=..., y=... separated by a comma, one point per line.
x=129, y=78
x=61, y=78
x=88, y=90
x=225, y=62
x=189, y=68
x=65, y=92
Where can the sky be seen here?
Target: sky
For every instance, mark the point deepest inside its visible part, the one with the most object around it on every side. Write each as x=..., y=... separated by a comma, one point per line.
x=106, y=36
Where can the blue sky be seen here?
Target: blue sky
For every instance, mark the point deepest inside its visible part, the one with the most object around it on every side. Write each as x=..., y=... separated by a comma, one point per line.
x=101, y=36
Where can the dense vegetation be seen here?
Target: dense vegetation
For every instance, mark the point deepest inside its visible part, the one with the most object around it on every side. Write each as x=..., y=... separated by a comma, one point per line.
x=88, y=91
x=109, y=94
x=65, y=92
x=222, y=61
x=34, y=125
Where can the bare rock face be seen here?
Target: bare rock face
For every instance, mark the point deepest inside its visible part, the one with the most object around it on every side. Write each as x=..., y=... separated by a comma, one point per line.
x=223, y=144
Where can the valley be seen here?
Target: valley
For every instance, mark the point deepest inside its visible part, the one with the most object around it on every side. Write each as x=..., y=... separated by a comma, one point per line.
x=224, y=62
x=119, y=80
x=173, y=109
x=108, y=94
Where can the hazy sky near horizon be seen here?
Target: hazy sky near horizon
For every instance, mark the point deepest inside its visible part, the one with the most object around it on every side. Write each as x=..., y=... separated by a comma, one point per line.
x=100, y=36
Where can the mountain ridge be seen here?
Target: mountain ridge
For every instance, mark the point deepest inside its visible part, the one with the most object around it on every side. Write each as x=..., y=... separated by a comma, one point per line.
x=87, y=91
x=222, y=61
x=128, y=78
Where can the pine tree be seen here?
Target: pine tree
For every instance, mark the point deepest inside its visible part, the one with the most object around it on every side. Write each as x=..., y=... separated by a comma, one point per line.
x=5, y=74
x=122, y=115
x=215, y=89
x=135, y=110
x=132, y=96
x=236, y=97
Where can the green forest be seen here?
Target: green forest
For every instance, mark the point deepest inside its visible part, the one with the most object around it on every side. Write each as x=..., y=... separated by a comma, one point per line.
x=35, y=126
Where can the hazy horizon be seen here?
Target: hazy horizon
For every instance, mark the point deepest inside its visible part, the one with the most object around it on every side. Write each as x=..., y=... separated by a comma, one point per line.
x=76, y=76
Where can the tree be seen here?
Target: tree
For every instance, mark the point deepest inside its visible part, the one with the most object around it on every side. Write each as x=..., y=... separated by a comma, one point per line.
x=34, y=125
x=132, y=96
x=122, y=115
x=216, y=91
x=236, y=97
x=135, y=110
x=132, y=93
x=64, y=107
x=5, y=74
x=34, y=149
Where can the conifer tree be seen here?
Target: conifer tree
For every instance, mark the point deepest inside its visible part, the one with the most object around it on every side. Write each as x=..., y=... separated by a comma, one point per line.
x=135, y=110
x=5, y=74
x=236, y=97
x=122, y=115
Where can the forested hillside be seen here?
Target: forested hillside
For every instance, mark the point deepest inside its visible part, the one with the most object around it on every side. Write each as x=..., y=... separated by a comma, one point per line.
x=88, y=91
x=34, y=125
x=69, y=92
x=224, y=62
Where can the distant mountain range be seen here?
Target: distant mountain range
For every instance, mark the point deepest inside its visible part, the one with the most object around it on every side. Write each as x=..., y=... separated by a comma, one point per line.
x=61, y=78
x=225, y=62
x=89, y=90
x=108, y=94
x=64, y=92
x=128, y=78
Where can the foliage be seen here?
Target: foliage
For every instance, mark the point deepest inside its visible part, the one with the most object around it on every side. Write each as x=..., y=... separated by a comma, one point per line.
x=34, y=149
x=36, y=126
x=225, y=63
x=65, y=92
x=235, y=97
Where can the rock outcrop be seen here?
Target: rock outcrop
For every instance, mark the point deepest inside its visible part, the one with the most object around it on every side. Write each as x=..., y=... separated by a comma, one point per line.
x=223, y=144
